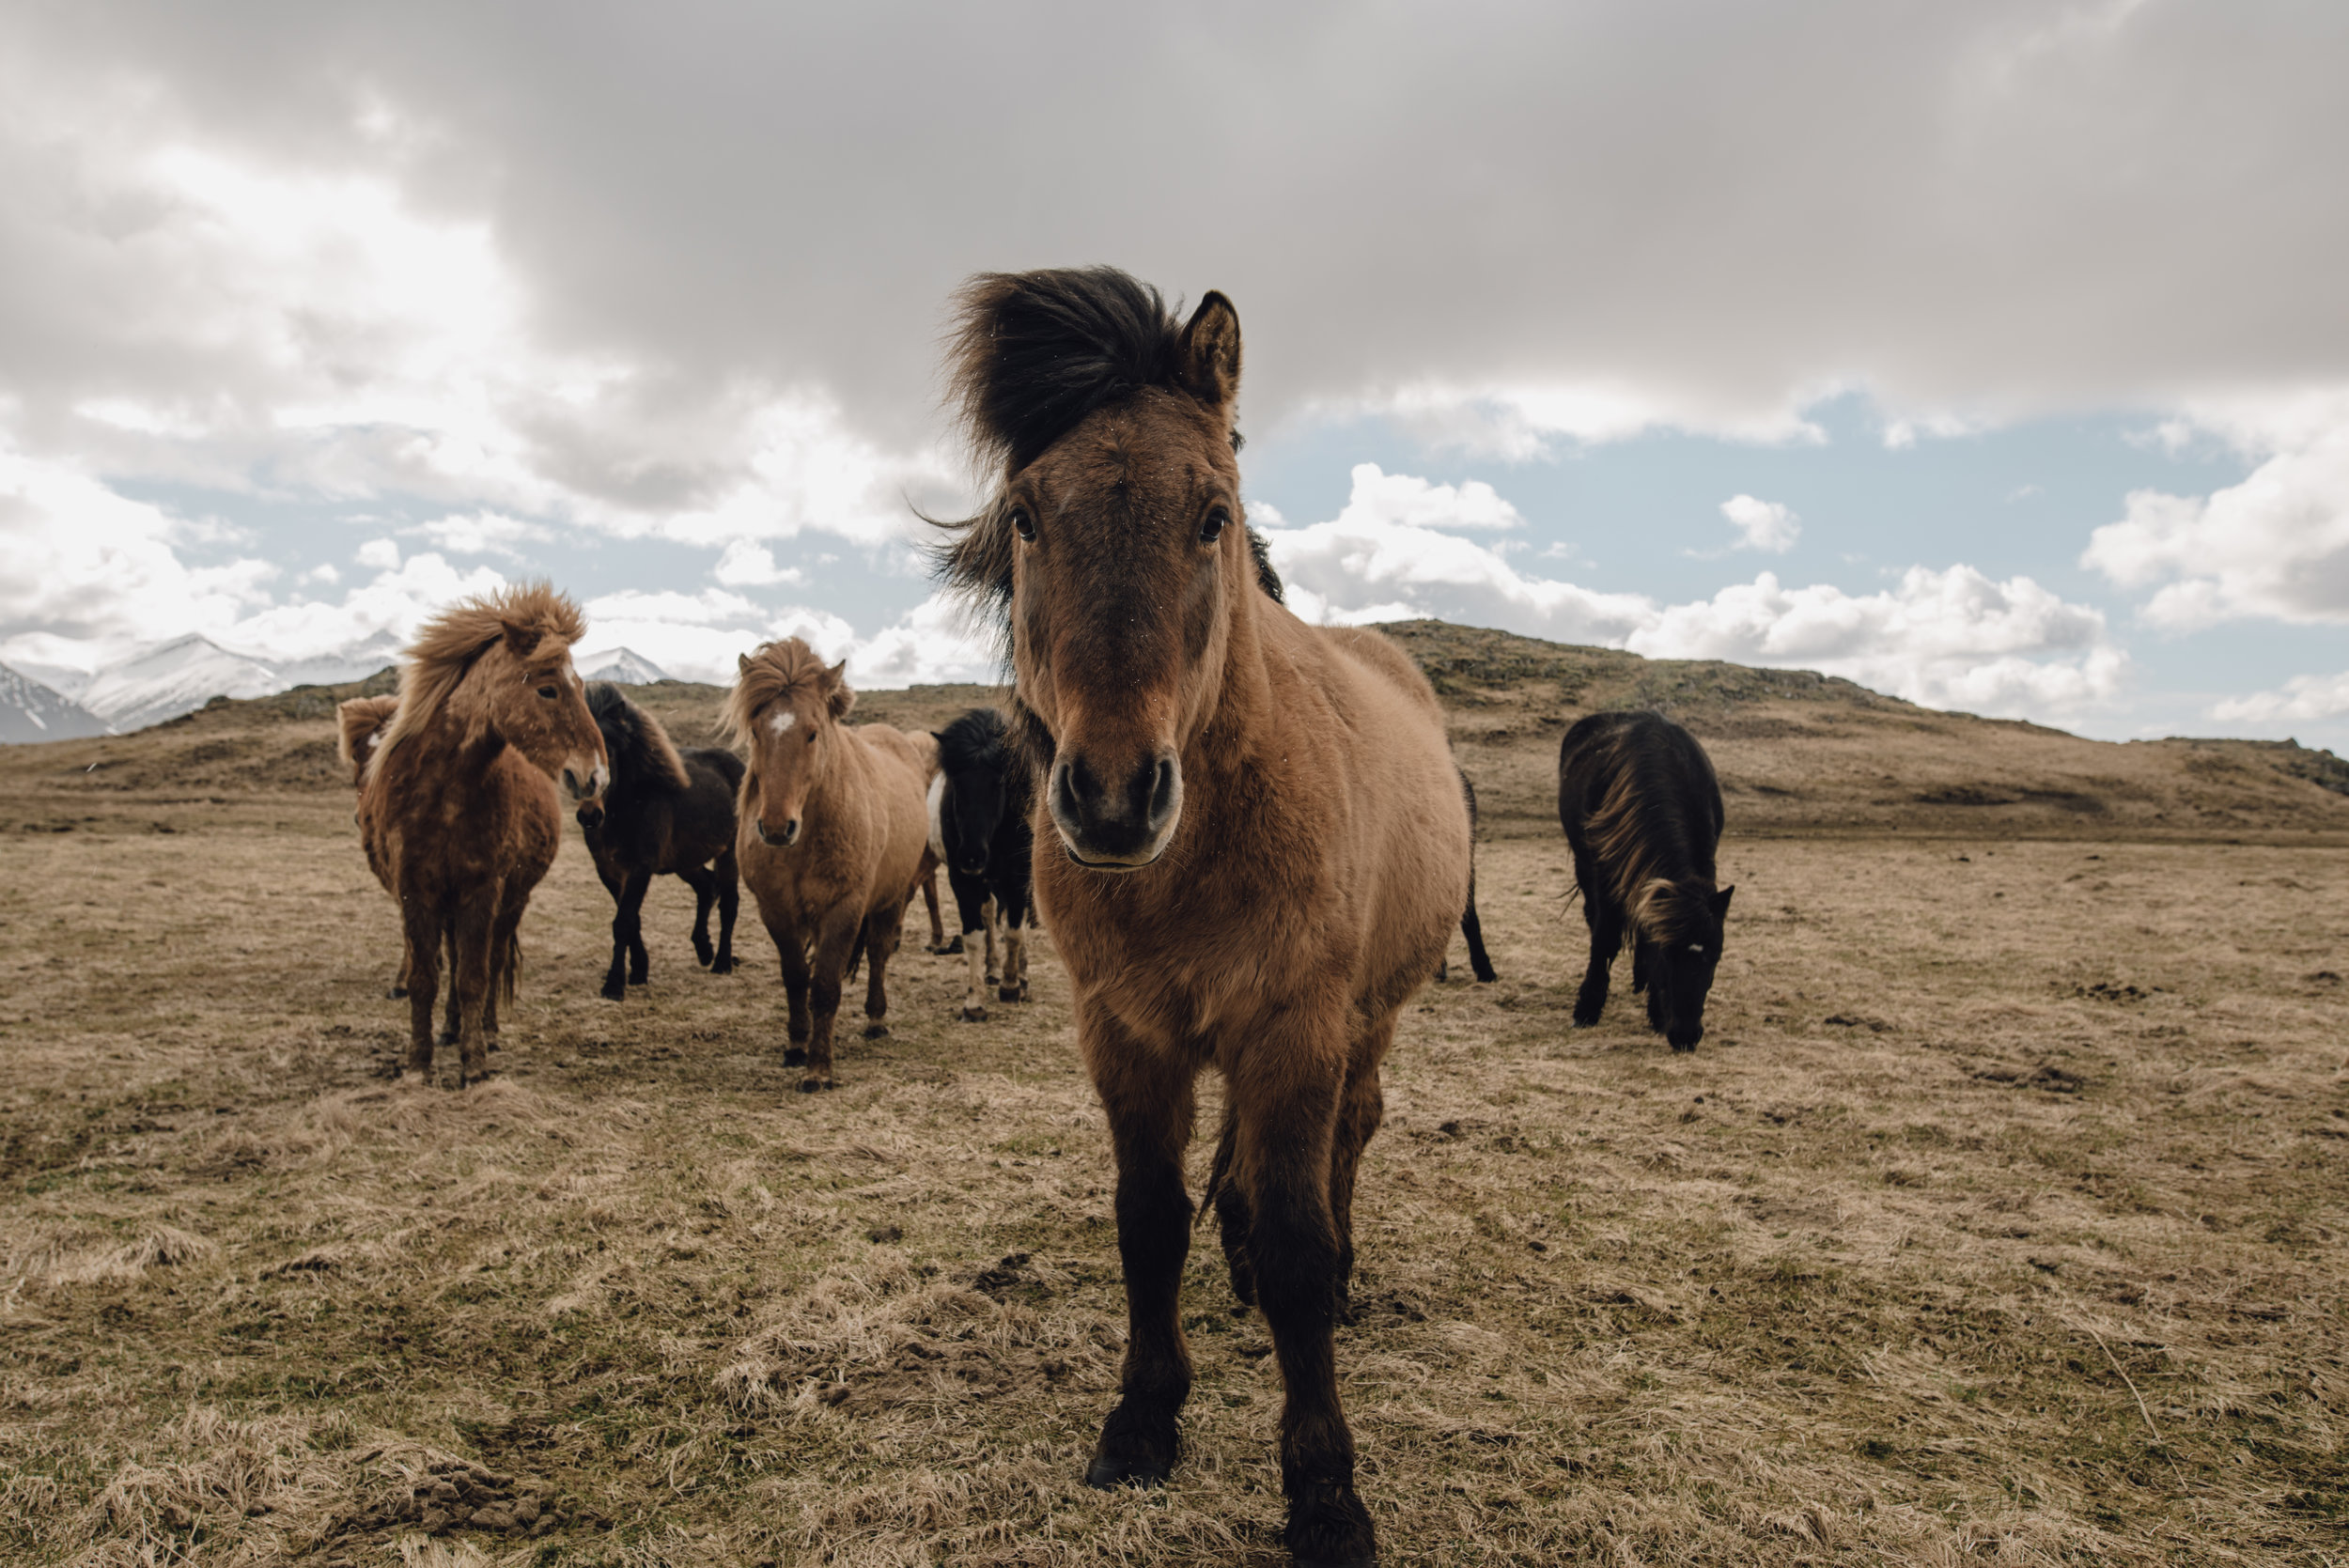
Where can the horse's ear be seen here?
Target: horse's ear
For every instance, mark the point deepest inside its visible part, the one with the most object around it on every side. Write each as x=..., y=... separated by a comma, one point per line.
x=741, y=663
x=1209, y=360
x=521, y=639
x=1721, y=902
x=836, y=693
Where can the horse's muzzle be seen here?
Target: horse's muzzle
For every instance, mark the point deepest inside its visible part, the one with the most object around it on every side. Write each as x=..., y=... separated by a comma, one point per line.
x=591, y=814
x=1119, y=824
x=783, y=839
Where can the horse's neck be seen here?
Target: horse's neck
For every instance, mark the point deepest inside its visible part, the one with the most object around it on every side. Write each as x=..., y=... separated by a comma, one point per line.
x=442, y=747
x=1239, y=713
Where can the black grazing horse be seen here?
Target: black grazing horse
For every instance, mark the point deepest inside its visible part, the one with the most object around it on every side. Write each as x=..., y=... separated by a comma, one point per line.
x=980, y=805
x=667, y=811
x=1643, y=810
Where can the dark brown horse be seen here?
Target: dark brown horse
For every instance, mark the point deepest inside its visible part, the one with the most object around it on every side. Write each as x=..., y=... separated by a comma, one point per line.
x=1250, y=844
x=460, y=802
x=1642, y=812
x=667, y=812
x=834, y=835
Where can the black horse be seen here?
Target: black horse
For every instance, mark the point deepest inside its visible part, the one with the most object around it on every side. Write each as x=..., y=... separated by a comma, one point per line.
x=1643, y=810
x=980, y=806
x=667, y=811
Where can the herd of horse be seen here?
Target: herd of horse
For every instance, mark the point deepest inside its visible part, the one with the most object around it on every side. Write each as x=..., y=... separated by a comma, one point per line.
x=1247, y=834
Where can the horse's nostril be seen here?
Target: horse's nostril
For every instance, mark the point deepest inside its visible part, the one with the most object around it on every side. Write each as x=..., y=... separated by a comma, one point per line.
x=1162, y=791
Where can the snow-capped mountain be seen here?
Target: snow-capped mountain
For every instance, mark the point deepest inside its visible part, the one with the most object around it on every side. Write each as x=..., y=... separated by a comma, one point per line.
x=173, y=679
x=355, y=662
x=31, y=711
x=624, y=666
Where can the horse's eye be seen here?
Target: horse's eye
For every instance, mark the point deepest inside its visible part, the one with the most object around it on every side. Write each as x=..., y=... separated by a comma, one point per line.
x=1212, y=529
x=1023, y=523
x=547, y=691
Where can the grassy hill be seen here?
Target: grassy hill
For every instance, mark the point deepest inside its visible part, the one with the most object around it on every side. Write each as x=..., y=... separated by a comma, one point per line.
x=1798, y=752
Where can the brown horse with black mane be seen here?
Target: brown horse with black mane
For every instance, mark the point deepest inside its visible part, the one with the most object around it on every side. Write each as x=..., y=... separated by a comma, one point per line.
x=1251, y=845
x=458, y=809
x=834, y=834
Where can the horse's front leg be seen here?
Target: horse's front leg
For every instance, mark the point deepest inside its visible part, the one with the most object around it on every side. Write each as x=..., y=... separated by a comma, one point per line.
x=729, y=883
x=1010, y=908
x=792, y=949
x=1605, y=917
x=420, y=969
x=1361, y=1106
x=970, y=913
x=827, y=966
x=626, y=935
x=474, y=956
x=704, y=888
x=1149, y=1105
x=882, y=933
x=930, y=902
x=1287, y=1103
x=990, y=915
x=506, y=956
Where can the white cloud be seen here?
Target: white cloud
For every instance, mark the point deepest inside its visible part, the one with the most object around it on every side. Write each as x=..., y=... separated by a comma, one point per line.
x=84, y=562
x=482, y=534
x=2306, y=697
x=1379, y=497
x=1946, y=638
x=745, y=565
x=1762, y=524
x=1952, y=638
x=2274, y=546
x=378, y=555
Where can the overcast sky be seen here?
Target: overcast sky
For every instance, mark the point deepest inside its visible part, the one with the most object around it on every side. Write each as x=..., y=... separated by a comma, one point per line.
x=1993, y=355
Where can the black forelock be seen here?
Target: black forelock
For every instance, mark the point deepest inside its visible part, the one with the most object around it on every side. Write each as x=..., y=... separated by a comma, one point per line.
x=605, y=701
x=1034, y=353
x=974, y=740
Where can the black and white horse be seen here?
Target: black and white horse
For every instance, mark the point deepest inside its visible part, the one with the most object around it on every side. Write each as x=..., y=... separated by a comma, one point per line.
x=667, y=811
x=980, y=804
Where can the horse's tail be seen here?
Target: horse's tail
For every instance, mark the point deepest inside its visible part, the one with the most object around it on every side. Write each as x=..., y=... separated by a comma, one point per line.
x=856, y=957
x=509, y=970
x=1471, y=927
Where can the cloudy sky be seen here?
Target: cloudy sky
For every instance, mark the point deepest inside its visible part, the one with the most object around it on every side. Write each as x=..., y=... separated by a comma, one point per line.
x=1991, y=354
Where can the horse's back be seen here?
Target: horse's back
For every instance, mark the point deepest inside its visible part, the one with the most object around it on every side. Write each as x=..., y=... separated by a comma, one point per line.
x=899, y=807
x=1640, y=759
x=1406, y=824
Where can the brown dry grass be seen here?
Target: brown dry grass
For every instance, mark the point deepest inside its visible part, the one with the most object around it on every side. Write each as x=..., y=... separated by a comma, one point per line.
x=2001, y=1214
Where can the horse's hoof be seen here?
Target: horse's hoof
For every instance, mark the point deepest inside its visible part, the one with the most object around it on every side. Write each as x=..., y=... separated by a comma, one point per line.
x=1585, y=1020
x=974, y=1015
x=795, y=1057
x=721, y=966
x=1138, y=1447
x=397, y=992
x=1329, y=1528
x=1012, y=993
x=876, y=1031
x=615, y=993
x=954, y=945
x=810, y=1085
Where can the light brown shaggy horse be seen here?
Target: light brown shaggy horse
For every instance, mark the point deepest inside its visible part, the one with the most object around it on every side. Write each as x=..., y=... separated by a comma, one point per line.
x=460, y=802
x=1250, y=844
x=834, y=833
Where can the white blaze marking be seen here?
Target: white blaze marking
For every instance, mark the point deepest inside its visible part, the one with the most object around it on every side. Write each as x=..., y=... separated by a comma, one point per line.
x=938, y=824
x=783, y=722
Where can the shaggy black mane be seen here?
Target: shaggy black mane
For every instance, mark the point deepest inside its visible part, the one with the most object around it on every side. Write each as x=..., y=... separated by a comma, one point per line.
x=977, y=740
x=1033, y=355
x=604, y=701
x=1038, y=351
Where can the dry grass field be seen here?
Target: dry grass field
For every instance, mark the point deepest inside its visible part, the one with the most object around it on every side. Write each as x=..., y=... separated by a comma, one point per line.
x=2003, y=1214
